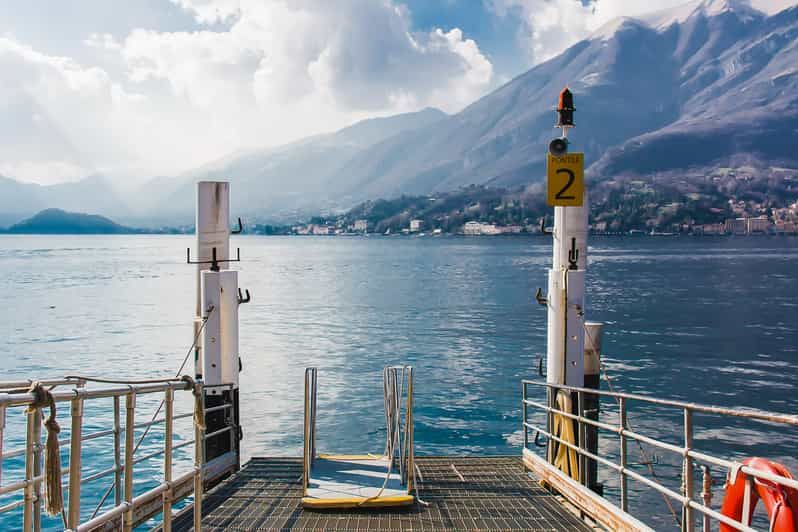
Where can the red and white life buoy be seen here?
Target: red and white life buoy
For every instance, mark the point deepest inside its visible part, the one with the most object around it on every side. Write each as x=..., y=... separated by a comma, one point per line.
x=780, y=502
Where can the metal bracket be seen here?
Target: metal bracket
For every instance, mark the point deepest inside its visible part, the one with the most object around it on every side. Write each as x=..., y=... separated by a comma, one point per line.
x=540, y=367
x=240, y=228
x=243, y=300
x=540, y=298
x=214, y=262
x=543, y=227
x=573, y=256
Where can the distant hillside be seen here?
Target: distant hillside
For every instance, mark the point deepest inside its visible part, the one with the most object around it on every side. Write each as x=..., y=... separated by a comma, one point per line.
x=284, y=179
x=22, y=200
x=58, y=222
x=710, y=85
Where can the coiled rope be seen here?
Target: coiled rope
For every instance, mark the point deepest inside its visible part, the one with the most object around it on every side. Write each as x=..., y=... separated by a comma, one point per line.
x=53, y=494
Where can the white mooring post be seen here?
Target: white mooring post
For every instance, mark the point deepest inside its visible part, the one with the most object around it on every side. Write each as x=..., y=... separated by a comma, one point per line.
x=217, y=356
x=566, y=297
x=213, y=231
x=565, y=348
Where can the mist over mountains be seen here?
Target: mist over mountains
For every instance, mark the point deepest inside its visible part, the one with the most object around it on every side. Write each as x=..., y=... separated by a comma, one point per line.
x=684, y=92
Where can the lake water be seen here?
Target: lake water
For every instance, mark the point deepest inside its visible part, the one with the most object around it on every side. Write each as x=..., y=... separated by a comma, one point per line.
x=706, y=320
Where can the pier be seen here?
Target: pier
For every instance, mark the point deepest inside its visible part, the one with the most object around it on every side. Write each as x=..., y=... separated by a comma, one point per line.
x=461, y=493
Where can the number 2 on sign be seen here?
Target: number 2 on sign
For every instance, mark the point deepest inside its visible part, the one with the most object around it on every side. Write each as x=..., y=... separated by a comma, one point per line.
x=566, y=180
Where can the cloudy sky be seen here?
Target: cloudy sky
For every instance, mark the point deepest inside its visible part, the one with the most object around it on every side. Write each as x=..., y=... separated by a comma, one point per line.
x=138, y=88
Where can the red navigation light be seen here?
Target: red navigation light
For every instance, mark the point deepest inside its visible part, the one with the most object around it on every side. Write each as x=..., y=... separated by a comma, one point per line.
x=565, y=109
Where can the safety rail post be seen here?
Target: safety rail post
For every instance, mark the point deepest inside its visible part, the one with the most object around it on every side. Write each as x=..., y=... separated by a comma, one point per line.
x=117, y=452
x=130, y=435
x=622, y=436
x=199, y=456
x=580, y=409
x=30, y=452
x=2, y=431
x=169, y=399
x=75, y=447
x=523, y=403
x=37, y=471
x=688, y=523
x=706, y=495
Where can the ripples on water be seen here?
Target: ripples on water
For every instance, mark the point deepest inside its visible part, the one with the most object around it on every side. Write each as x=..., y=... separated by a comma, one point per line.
x=706, y=320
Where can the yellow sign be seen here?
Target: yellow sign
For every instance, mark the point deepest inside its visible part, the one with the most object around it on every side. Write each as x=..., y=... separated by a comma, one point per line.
x=566, y=180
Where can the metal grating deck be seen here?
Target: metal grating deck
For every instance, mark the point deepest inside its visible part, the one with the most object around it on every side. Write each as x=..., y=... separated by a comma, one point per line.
x=491, y=493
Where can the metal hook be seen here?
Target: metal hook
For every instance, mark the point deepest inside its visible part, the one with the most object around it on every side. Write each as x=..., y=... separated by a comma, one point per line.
x=537, y=439
x=240, y=228
x=243, y=300
x=540, y=367
x=540, y=298
x=573, y=256
x=543, y=227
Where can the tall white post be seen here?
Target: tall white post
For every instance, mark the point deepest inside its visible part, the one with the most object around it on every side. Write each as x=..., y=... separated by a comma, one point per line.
x=566, y=296
x=213, y=231
x=217, y=289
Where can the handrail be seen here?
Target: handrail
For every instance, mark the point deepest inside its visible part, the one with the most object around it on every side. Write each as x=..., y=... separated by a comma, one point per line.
x=127, y=510
x=749, y=413
x=686, y=452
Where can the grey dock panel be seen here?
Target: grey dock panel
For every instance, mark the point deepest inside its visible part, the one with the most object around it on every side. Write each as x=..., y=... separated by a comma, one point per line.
x=464, y=493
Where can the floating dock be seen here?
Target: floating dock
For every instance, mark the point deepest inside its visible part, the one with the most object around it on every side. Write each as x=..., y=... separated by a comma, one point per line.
x=461, y=493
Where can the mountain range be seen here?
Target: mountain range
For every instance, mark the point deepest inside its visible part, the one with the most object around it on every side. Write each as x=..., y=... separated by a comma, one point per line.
x=711, y=84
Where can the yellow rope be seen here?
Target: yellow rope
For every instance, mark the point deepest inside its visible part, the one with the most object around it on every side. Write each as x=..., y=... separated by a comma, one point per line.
x=565, y=458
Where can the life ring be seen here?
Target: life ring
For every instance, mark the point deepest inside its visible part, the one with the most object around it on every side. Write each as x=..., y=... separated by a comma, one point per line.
x=780, y=502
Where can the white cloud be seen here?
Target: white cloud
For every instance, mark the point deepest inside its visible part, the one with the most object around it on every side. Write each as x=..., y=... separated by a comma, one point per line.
x=550, y=26
x=355, y=54
x=251, y=73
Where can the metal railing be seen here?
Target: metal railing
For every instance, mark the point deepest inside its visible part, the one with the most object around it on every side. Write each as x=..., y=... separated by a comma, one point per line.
x=128, y=510
x=397, y=387
x=689, y=456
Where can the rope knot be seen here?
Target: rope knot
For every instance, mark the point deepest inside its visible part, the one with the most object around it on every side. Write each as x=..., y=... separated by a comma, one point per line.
x=53, y=495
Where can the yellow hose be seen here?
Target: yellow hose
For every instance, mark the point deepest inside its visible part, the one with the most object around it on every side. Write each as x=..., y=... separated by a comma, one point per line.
x=565, y=458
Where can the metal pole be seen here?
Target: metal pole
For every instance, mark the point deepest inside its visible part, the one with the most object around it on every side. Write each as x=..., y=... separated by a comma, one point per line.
x=581, y=431
x=75, y=443
x=117, y=453
x=130, y=435
x=37, y=471
x=2, y=431
x=199, y=437
x=167, y=459
x=524, y=405
x=622, y=416
x=30, y=451
x=592, y=402
x=706, y=495
x=688, y=524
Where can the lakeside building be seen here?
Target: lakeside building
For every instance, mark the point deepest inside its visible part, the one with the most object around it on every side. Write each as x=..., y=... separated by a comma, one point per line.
x=416, y=225
x=760, y=224
x=747, y=226
x=477, y=228
x=360, y=226
x=321, y=230
x=713, y=229
x=736, y=226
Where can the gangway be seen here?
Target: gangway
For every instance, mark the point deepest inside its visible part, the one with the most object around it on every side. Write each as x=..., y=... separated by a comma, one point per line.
x=363, y=480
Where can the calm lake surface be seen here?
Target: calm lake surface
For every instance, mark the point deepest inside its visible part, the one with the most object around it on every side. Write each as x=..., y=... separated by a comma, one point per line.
x=698, y=319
